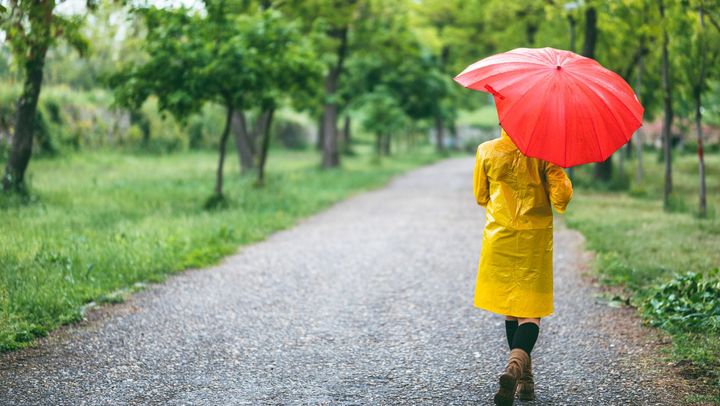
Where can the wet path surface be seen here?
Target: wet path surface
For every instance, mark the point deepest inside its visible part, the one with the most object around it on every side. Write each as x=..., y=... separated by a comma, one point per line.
x=369, y=302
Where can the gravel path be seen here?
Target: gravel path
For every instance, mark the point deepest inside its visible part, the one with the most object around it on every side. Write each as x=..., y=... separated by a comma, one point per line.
x=369, y=302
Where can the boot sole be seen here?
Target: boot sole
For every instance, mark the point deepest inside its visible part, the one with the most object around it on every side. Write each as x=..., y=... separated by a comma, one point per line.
x=506, y=395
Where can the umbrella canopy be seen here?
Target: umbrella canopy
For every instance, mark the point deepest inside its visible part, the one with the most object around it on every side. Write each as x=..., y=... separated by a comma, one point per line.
x=557, y=105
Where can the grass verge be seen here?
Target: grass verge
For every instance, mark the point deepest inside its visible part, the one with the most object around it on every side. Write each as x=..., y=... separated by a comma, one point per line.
x=642, y=247
x=102, y=224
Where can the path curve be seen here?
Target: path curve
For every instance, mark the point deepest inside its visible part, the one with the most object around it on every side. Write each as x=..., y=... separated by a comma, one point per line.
x=369, y=302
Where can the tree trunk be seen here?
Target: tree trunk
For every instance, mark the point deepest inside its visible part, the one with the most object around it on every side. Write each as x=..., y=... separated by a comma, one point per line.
x=454, y=137
x=638, y=133
x=221, y=157
x=330, y=156
x=22, y=140
x=667, y=110
x=267, y=115
x=244, y=142
x=378, y=144
x=698, y=88
x=602, y=170
x=439, y=134
x=572, y=23
x=590, y=32
x=347, y=146
x=320, y=133
x=701, y=159
x=573, y=39
x=386, y=144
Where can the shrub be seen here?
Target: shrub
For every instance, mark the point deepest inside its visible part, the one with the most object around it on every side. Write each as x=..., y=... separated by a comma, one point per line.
x=689, y=302
x=290, y=133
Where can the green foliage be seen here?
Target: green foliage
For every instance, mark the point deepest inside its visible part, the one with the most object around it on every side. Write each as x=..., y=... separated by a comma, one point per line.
x=383, y=114
x=688, y=302
x=33, y=25
x=241, y=61
x=71, y=120
x=291, y=133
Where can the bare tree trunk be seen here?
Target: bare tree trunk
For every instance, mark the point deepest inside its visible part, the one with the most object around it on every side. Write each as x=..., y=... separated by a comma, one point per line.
x=667, y=110
x=267, y=120
x=221, y=158
x=698, y=88
x=330, y=156
x=439, y=134
x=244, y=142
x=22, y=140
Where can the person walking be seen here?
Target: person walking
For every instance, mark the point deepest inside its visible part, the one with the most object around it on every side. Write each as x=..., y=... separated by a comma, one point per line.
x=515, y=273
x=557, y=109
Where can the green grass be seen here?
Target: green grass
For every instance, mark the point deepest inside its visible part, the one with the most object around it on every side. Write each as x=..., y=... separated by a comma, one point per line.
x=639, y=245
x=484, y=117
x=102, y=224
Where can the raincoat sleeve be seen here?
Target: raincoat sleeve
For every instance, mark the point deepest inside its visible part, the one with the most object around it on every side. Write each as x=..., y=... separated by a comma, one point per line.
x=480, y=180
x=559, y=187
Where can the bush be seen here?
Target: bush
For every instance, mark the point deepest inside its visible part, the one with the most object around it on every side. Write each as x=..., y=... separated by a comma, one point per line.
x=689, y=302
x=290, y=133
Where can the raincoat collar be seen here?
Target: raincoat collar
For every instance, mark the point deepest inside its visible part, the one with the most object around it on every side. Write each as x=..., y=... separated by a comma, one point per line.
x=506, y=137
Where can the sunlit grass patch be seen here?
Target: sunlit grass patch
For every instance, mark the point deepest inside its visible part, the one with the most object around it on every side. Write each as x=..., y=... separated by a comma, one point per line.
x=101, y=222
x=642, y=247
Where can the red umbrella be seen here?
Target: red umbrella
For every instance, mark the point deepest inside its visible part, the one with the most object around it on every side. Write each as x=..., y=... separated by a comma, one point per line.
x=557, y=105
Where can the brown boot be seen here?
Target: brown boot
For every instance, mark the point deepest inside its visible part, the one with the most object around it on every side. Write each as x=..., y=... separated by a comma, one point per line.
x=517, y=363
x=526, y=384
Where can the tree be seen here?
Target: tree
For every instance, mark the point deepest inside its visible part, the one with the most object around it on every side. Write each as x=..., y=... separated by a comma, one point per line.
x=31, y=28
x=448, y=25
x=233, y=56
x=603, y=170
x=335, y=18
x=697, y=62
x=383, y=117
x=667, y=104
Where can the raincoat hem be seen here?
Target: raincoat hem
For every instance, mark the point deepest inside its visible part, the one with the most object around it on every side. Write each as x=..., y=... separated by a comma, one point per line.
x=501, y=313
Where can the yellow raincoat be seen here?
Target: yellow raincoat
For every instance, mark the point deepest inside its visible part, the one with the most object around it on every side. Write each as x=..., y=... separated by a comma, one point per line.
x=515, y=275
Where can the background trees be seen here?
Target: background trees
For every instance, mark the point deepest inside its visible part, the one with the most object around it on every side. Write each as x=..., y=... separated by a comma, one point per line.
x=31, y=28
x=235, y=57
x=229, y=68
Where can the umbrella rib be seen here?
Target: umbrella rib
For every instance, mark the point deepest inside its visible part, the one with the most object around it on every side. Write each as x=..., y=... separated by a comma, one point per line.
x=496, y=74
x=619, y=123
x=588, y=93
x=593, y=84
x=572, y=106
x=532, y=136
